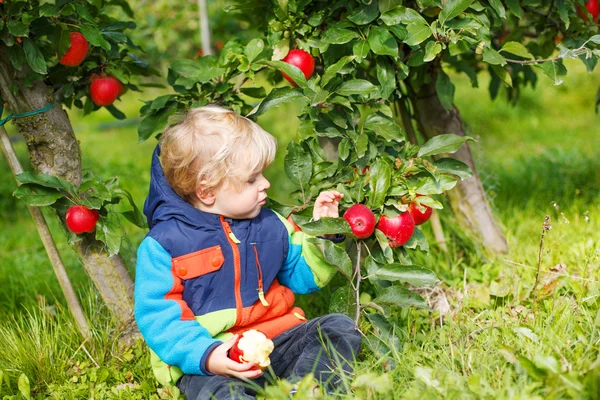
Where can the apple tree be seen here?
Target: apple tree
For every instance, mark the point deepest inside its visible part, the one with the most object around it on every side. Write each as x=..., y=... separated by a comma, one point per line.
x=382, y=75
x=72, y=53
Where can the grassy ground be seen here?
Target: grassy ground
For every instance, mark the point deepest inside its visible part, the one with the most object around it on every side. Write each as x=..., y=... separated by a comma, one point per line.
x=537, y=158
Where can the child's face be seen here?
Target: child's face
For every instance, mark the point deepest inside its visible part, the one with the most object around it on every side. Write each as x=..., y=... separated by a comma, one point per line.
x=243, y=203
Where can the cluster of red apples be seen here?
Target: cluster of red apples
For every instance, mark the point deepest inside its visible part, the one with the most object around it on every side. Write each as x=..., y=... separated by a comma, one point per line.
x=104, y=89
x=398, y=229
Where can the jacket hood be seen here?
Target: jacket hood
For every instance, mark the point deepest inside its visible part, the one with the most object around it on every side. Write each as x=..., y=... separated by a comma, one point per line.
x=163, y=203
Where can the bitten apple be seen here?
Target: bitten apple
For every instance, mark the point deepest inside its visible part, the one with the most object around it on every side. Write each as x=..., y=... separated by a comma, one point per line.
x=81, y=219
x=104, y=90
x=397, y=229
x=252, y=346
x=361, y=219
x=77, y=51
x=301, y=59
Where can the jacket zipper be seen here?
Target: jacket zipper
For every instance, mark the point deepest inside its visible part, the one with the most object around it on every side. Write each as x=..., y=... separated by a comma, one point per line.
x=237, y=277
x=261, y=291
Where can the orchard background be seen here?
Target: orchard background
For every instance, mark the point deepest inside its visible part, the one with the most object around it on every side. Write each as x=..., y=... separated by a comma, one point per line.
x=492, y=328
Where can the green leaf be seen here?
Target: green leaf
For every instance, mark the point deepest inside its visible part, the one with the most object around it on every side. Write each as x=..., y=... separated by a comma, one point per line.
x=445, y=90
x=135, y=216
x=364, y=14
x=452, y=9
x=155, y=122
x=343, y=301
x=386, y=77
x=448, y=143
x=553, y=70
x=333, y=69
x=380, y=178
x=46, y=180
x=515, y=8
x=356, y=86
x=338, y=36
x=453, y=167
x=24, y=386
x=290, y=70
x=16, y=57
x=109, y=231
x=413, y=274
x=418, y=32
x=94, y=36
x=298, y=165
x=517, y=49
x=17, y=28
x=62, y=39
x=34, y=57
x=384, y=127
x=498, y=7
x=532, y=369
x=37, y=196
x=382, y=42
x=417, y=239
x=253, y=49
x=502, y=74
x=399, y=296
x=48, y=10
x=361, y=48
x=492, y=57
x=402, y=15
x=432, y=49
x=336, y=255
x=255, y=92
x=386, y=5
x=327, y=226
x=202, y=70
x=595, y=39
x=84, y=12
x=277, y=97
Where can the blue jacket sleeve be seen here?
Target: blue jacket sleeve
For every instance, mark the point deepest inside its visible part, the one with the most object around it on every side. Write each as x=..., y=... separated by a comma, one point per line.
x=183, y=343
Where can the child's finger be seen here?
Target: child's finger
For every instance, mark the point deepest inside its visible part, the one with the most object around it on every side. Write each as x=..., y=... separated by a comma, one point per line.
x=229, y=344
x=239, y=367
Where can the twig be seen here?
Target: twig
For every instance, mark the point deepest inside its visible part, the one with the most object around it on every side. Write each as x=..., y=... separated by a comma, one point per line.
x=545, y=227
x=357, y=286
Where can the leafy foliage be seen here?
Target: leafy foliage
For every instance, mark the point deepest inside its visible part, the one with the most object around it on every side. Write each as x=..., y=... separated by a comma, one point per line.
x=46, y=190
x=36, y=34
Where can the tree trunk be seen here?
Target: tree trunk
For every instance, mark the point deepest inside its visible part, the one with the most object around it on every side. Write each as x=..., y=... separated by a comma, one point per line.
x=54, y=149
x=467, y=199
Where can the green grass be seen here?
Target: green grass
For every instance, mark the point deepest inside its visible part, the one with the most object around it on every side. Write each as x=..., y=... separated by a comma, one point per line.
x=537, y=158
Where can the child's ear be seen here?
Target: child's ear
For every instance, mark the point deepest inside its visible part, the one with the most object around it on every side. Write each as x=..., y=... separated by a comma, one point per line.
x=206, y=196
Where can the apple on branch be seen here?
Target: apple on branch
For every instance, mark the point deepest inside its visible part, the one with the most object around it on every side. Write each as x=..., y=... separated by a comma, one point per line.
x=252, y=346
x=420, y=213
x=77, y=51
x=301, y=59
x=398, y=229
x=104, y=90
x=361, y=220
x=81, y=219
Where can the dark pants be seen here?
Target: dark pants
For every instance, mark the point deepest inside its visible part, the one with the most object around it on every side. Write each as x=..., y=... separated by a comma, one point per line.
x=321, y=345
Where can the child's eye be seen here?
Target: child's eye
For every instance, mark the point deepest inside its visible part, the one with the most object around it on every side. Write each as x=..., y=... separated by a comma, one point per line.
x=252, y=180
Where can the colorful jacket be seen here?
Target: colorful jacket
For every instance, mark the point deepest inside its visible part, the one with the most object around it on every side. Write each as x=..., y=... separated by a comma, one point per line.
x=200, y=278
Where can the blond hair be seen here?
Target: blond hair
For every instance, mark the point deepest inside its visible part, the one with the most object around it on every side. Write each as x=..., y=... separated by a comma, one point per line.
x=213, y=146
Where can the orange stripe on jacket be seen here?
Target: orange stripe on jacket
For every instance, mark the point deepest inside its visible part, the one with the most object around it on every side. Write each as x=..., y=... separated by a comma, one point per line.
x=176, y=294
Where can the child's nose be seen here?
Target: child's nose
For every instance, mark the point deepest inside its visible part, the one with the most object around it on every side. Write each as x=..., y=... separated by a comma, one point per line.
x=266, y=184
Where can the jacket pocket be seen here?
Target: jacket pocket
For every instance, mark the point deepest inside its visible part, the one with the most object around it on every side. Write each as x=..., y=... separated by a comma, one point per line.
x=198, y=263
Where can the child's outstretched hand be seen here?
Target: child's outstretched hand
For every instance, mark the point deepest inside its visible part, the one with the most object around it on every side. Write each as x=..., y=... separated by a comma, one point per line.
x=327, y=204
x=219, y=363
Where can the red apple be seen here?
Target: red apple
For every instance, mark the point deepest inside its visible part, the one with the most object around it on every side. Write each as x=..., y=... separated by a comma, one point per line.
x=420, y=213
x=593, y=6
x=302, y=60
x=397, y=229
x=361, y=220
x=77, y=52
x=252, y=346
x=294, y=224
x=104, y=90
x=81, y=219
